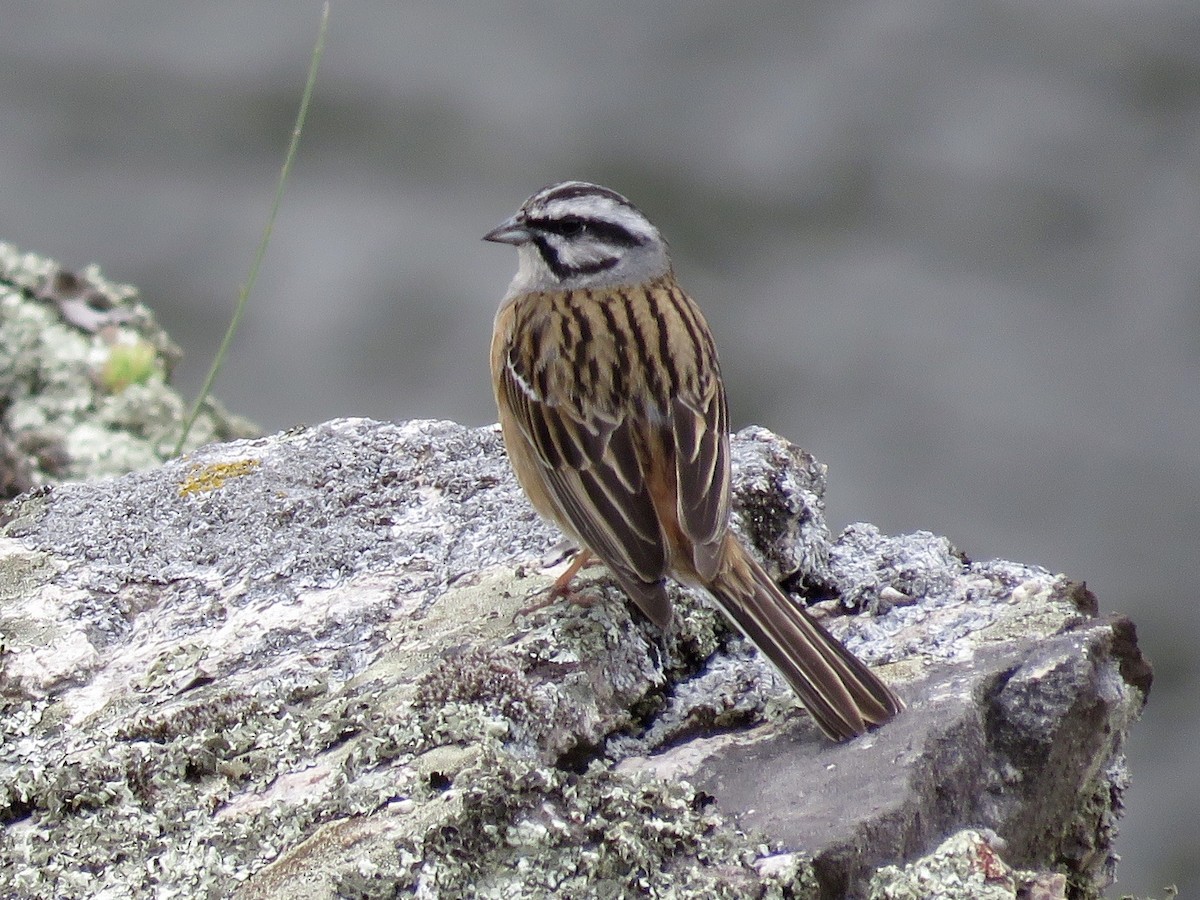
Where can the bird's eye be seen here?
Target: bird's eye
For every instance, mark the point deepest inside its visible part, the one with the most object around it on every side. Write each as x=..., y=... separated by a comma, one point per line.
x=572, y=227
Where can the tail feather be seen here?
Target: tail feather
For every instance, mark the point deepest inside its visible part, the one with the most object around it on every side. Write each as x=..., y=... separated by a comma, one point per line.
x=839, y=691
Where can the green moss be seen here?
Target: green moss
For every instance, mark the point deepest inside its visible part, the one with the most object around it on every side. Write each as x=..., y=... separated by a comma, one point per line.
x=128, y=364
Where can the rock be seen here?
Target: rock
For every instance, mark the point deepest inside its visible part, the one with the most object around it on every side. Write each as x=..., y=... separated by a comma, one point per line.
x=297, y=667
x=966, y=864
x=85, y=379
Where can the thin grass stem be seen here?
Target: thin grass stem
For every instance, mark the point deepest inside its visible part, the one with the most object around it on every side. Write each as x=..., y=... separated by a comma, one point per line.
x=256, y=263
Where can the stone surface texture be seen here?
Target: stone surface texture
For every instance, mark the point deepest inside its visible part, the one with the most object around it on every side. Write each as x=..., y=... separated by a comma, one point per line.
x=298, y=666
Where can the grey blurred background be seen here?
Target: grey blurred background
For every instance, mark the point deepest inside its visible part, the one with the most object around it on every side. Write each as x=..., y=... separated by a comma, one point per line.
x=949, y=248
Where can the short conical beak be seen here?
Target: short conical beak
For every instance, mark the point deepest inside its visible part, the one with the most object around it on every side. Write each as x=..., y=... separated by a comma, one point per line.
x=510, y=231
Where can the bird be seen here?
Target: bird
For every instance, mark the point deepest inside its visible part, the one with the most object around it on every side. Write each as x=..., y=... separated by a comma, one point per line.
x=613, y=414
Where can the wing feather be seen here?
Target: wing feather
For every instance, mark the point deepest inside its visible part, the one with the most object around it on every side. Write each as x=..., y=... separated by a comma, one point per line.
x=591, y=469
x=701, y=432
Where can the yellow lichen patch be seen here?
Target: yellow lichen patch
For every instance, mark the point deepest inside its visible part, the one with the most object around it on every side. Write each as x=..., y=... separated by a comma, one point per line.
x=201, y=479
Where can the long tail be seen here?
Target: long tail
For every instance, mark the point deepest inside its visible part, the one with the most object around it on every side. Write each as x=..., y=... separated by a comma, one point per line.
x=839, y=691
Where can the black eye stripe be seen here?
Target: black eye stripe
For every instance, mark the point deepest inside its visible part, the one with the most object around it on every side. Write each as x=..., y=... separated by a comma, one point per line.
x=566, y=227
x=570, y=226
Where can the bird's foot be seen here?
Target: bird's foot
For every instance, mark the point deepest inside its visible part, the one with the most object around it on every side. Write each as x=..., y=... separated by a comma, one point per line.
x=561, y=588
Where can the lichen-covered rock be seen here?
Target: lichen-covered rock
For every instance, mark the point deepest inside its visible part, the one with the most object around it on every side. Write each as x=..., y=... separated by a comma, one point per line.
x=966, y=864
x=299, y=667
x=85, y=379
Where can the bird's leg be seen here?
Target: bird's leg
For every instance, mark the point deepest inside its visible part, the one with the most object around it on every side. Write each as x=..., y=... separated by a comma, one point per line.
x=561, y=589
x=562, y=584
